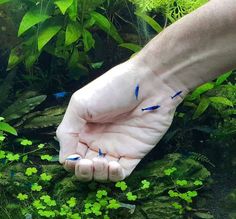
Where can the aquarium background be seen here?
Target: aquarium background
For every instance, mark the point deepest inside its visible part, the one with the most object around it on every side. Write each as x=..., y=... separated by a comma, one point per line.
x=51, y=48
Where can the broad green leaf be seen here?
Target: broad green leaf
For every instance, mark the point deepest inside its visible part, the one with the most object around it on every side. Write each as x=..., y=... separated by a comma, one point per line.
x=74, y=58
x=73, y=33
x=25, y=158
x=63, y=5
x=14, y=59
x=73, y=10
x=150, y=21
x=200, y=90
x=101, y=21
x=89, y=23
x=88, y=40
x=31, y=59
x=131, y=46
x=204, y=215
x=7, y=128
x=221, y=100
x=106, y=26
x=48, y=30
x=202, y=107
x=97, y=65
x=4, y=1
x=223, y=78
x=31, y=18
x=114, y=34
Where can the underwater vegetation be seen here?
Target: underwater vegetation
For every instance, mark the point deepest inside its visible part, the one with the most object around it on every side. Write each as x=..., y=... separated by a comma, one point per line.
x=56, y=47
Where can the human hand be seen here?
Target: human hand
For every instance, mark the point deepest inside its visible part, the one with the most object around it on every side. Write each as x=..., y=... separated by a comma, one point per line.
x=123, y=114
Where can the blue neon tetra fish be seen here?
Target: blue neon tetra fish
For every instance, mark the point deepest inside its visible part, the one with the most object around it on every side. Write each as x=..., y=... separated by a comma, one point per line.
x=136, y=92
x=100, y=154
x=73, y=157
x=151, y=108
x=177, y=94
x=60, y=95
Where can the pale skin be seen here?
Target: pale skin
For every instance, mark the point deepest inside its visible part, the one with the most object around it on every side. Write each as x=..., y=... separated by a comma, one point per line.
x=106, y=115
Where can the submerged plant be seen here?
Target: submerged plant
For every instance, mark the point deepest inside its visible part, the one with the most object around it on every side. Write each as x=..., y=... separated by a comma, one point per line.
x=61, y=28
x=172, y=9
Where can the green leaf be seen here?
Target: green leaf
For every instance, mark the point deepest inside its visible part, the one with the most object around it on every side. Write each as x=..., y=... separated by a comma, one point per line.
x=177, y=205
x=150, y=21
x=202, y=107
x=101, y=21
x=36, y=187
x=223, y=78
x=113, y=204
x=30, y=171
x=197, y=183
x=97, y=65
x=200, y=90
x=101, y=193
x=145, y=184
x=46, y=157
x=4, y=1
x=2, y=138
x=203, y=215
x=22, y=197
x=106, y=26
x=25, y=158
x=221, y=100
x=26, y=142
x=192, y=193
x=31, y=59
x=31, y=18
x=181, y=182
x=13, y=157
x=130, y=196
x=47, y=199
x=63, y=5
x=131, y=46
x=73, y=33
x=7, y=128
x=73, y=10
x=72, y=202
x=38, y=205
x=48, y=30
x=169, y=171
x=2, y=154
x=40, y=146
x=122, y=185
x=88, y=40
x=45, y=177
x=173, y=194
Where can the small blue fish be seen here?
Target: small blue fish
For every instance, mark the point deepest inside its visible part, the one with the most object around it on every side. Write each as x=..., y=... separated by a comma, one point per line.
x=177, y=94
x=60, y=95
x=73, y=158
x=151, y=108
x=100, y=154
x=136, y=92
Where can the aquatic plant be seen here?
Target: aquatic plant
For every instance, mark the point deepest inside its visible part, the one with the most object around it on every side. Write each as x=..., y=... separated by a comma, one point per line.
x=173, y=9
x=61, y=28
x=46, y=190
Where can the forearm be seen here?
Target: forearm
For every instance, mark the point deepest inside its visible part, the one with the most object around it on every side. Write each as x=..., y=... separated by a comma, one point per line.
x=195, y=49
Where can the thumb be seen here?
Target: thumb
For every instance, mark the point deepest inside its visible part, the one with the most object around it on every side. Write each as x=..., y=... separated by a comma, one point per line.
x=69, y=129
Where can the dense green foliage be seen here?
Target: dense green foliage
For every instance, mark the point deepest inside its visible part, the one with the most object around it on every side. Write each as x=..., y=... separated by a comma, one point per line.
x=173, y=9
x=62, y=45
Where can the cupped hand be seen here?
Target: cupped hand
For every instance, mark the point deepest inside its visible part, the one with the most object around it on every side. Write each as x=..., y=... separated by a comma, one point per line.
x=114, y=121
